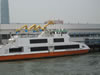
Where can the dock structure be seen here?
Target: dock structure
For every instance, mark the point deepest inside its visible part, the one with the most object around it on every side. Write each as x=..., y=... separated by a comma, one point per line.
x=94, y=44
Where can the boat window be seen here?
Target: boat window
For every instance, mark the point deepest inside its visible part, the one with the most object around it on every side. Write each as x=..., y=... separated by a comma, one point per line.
x=5, y=36
x=13, y=50
x=39, y=48
x=38, y=41
x=66, y=47
x=58, y=39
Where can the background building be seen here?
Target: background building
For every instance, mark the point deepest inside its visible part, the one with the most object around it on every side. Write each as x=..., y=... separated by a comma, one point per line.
x=4, y=12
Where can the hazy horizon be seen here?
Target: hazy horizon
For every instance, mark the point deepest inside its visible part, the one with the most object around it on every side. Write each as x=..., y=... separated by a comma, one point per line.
x=70, y=11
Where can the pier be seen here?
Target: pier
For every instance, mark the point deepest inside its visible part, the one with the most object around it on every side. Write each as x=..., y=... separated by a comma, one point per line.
x=94, y=44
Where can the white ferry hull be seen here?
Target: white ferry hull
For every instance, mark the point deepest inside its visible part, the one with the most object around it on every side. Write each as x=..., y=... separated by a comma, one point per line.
x=40, y=55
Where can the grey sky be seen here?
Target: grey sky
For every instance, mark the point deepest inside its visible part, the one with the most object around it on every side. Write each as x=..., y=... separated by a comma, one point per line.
x=38, y=11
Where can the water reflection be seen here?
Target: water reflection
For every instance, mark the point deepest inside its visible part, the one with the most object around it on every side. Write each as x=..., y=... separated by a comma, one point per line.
x=88, y=64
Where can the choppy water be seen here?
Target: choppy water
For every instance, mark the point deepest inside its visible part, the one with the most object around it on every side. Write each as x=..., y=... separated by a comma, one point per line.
x=88, y=64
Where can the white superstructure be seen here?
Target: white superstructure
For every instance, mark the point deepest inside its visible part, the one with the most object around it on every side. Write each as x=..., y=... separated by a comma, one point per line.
x=77, y=32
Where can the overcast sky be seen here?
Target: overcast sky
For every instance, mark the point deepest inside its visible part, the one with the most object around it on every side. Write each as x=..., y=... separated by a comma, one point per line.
x=38, y=11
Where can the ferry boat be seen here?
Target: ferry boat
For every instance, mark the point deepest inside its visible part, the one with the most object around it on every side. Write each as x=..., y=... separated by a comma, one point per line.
x=47, y=43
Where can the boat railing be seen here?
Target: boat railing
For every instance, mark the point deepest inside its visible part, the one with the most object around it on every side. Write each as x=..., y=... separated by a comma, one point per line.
x=28, y=35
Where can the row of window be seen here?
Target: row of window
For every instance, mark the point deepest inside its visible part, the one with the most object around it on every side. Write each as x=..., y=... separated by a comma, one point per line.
x=38, y=41
x=66, y=47
x=84, y=34
x=13, y=50
x=20, y=49
x=5, y=36
x=59, y=40
x=92, y=41
x=45, y=40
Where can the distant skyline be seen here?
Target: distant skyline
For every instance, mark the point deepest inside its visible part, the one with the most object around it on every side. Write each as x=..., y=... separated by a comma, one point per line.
x=4, y=12
x=70, y=11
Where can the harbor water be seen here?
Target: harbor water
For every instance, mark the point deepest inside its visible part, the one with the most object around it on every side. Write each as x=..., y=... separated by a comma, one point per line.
x=86, y=64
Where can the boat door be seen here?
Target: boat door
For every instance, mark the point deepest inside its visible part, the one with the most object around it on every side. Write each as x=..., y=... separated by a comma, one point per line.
x=51, y=45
